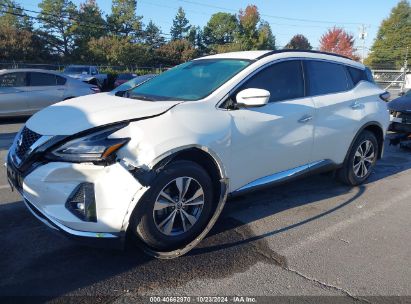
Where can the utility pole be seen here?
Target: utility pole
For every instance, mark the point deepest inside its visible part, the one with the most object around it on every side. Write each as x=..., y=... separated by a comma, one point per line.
x=405, y=70
x=363, y=35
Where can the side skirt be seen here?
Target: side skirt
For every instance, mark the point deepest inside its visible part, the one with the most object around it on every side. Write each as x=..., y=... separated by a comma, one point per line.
x=288, y=175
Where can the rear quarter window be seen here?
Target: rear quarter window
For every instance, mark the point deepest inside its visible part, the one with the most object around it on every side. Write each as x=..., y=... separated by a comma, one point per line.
x=357, y=75
x=326, y=78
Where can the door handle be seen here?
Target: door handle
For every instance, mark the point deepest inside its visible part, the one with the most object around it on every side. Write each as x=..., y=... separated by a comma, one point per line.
x=305, y=119
x=356, y=105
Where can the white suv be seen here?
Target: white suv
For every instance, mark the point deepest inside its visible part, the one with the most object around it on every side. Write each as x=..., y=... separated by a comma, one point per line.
x=157, y=163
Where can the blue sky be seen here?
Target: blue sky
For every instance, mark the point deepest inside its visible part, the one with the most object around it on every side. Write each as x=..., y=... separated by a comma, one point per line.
x=319, y=15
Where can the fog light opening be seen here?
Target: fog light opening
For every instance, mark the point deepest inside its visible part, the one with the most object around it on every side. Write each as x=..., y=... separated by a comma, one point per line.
x=82, y=202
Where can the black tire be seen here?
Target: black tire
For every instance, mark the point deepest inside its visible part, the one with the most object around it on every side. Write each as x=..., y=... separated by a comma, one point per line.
x=143, y=222
x=347, y=174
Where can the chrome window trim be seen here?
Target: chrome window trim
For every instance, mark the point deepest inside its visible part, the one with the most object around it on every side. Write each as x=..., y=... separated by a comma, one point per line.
x=268, y=64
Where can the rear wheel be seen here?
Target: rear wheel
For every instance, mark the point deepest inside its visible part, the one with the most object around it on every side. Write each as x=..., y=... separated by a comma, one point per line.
x=176, y=208
x=360, y=161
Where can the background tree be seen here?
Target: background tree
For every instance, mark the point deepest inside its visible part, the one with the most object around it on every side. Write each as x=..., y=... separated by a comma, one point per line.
x=176, y=52
x=266, y=39
x=299, y=42
x=56, y=25
x=222, y=28
x=249, y=19
x=89, y=23
x=123, y=20
x=152, y=36
x=338, y=41
x=181, y=25
x=117, y=50
x=12, y=14
x=195, y=37
x=15, y=44
x=16, y=36
x=393, y=38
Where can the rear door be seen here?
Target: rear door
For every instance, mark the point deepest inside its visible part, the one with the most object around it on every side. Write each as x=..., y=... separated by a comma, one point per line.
x=339, y=111
x=13, y=94
x=44, y=90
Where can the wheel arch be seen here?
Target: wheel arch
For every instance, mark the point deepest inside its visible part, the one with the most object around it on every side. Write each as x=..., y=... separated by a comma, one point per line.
x=213, y=165
x=376, y=128
x=201, y=155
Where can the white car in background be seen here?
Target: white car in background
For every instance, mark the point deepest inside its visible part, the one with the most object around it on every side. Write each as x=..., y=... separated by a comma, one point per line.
x=88, y=74
x=158, y=165
x=26, y=91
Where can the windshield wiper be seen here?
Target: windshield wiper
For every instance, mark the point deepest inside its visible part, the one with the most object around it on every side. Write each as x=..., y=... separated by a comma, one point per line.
x=142, y=97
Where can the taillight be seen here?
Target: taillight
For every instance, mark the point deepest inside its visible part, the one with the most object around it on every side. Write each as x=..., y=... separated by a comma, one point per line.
x=385, y=96
x=95, y=89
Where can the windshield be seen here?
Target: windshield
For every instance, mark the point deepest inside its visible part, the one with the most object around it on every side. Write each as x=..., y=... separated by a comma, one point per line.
x=193, y=80
x=76, y=70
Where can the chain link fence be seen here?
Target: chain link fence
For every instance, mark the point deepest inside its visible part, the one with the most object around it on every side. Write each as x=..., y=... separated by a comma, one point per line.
x=394, y=81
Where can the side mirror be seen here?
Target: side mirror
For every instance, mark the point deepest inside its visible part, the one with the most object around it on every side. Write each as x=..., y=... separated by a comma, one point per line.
x=249, y=98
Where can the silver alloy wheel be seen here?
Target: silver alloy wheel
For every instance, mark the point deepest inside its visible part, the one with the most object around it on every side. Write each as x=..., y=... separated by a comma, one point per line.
x=364, y=158
x=178, y=206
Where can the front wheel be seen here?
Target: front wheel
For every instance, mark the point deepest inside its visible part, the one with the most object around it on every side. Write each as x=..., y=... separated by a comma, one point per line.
x=176, y=208
x=360, y=161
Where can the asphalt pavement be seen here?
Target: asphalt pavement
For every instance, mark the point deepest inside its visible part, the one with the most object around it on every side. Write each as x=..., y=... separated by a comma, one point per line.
x=311, y=237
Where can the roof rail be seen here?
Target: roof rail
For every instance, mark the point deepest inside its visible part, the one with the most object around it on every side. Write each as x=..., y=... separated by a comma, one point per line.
x=300, y=51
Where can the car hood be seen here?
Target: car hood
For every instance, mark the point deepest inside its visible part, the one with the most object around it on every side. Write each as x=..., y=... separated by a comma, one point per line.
x=75, y=115
x=402, y=104
x=79, y=76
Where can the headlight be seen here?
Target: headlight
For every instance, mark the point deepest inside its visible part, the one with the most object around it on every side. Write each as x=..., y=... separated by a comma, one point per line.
x=92, y=147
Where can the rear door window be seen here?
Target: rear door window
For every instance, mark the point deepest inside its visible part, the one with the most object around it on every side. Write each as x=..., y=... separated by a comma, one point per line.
x=61, y=80
x=42, y=79
x=326, y=78
x=284, y=81
x=9, y=80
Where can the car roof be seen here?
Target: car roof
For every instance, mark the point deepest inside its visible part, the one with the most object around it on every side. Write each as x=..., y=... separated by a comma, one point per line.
x=247, y=55
x=257, y=55
x=29, y=70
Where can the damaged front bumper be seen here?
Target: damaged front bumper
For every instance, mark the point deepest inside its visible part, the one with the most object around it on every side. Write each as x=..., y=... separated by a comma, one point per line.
x=95, y=239
x=50, y=190
x=400, y=122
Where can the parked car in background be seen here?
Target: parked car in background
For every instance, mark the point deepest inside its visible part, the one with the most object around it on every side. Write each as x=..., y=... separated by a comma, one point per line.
x=400, y=110
x=122, y=78
x=26, y=91
x=87, y=73
x=133, y=83
x=158, y=166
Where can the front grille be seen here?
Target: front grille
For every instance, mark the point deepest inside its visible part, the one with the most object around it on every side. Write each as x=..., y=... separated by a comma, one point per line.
x=25, y=141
